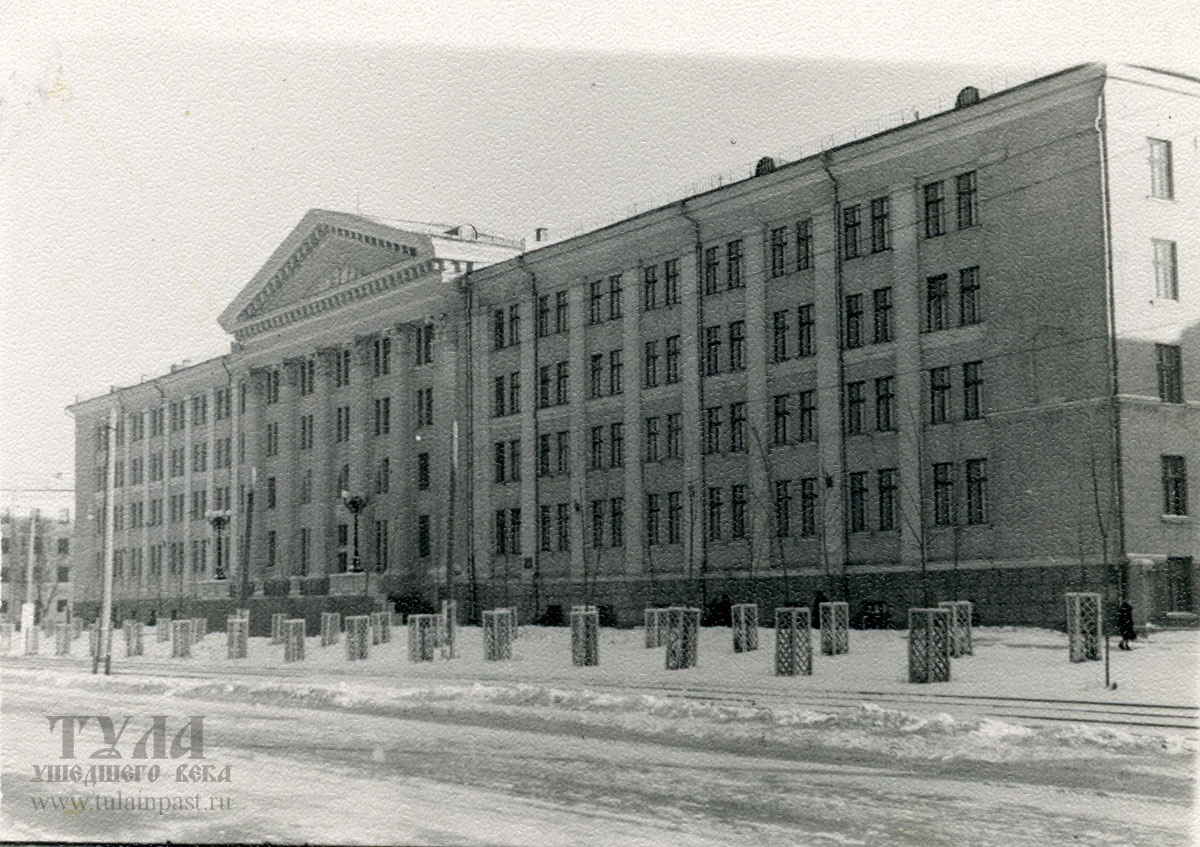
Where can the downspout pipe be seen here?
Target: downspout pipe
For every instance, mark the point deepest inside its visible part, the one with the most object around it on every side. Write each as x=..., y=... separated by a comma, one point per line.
x=699, y=336
x=535, y=548
x=1101, y=126
x=469, y=392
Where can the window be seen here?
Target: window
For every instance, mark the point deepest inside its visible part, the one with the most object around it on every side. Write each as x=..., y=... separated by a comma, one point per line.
x=882, y=301
x=199, y=505
x=344, y=478
x=733, y=264
x=543, y=528
x=968, y=199
x=939, y=395
x=501, y=532
x=562, y=520
x=423, y=471
x=615, y=307
x=598, y=523
x=423, y=534
x=737, y=346
x=783, y=508
x=650, y=288
x=271, y=546
x=808, y=508
x=778, y=251
x=560, y=311
x=851, y=232
x=712, y=264
x=560, y=383
x=176, y=461
x=804, y=254
x=937, y=303
x=543, y=386
x=137, y=426
x=737, y=427
x=595, y=301
x=156, y=422
x=943, y=494
x=972, y=390
x=273, y=379
x=564, y=452
x=1174, y=477
x=885, y=404
x=671, y=282
x=806, y=429
x=617, y=521
x=881, y=226
x=135, y=471
x=715, y=514
x=674, y=517
x=341, y=369
x=712, y=350
x=887, y=500
x=306, y=432
x=856, y=402
x=976, y=473
x=1166, y=277
x=543, y=454
x=224, y=452
x=968, y=296
x=737, y=511
x=616, y=371
x=501, y=462
x=616, y=445
x=1170, y=373
x=1162, y=183
x=653, y=516
x=514, y=325
x=935, y=210
x=514, y=393
x=712, y=429
x=651, y=439
x=342, y=429
x=199, y=458
x=424, y=401
x=271, y=491
x=804, y=330
x=543, y=316
x=307, y=369
x=673, y=429
x=597, y=448
x=499, y=397
x=858, y=502
x=306, y=486
x=782, y=419
x=383, y=415
x=779, y=336
x=199, y=411
x=854, y=317
x=672, y=359
x=178, y=417
x=423, y=344
x=650, y=365
x=596, y=374
x=383, y=476
x=498, y=329
x=381, y=545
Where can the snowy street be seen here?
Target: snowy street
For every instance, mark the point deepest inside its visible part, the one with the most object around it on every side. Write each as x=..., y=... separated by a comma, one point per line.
x=534, y=751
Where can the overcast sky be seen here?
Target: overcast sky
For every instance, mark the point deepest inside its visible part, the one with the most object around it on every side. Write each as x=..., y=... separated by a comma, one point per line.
x=154, y=156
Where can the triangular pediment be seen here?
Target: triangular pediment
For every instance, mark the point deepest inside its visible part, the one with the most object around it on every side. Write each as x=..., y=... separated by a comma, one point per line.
x=326, y=252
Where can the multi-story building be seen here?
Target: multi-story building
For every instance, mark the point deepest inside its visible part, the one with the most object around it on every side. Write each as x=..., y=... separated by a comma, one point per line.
x=947, y=360
x=48, y=534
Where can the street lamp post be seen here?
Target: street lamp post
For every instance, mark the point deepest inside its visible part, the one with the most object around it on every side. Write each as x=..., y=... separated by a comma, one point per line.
x=219, y=518
x=355, y=503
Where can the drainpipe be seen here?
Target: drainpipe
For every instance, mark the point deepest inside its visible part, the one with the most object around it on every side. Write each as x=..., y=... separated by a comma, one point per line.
x=699, y=330
x=1101, y=127
x=469, y=405
x=533, y=446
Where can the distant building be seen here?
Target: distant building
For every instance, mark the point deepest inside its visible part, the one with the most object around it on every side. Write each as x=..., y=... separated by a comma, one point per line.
x=947, y=360
x=49, y=532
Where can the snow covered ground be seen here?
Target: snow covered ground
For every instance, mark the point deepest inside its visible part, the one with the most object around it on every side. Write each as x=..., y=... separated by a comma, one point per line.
x=1020, y=747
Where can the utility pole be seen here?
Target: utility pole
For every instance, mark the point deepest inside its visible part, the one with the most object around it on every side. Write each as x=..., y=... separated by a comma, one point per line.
x=104, y=644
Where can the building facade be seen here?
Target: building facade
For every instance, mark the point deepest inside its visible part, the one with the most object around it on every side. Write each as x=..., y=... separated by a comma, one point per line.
x=47, y=536
x=948, y=360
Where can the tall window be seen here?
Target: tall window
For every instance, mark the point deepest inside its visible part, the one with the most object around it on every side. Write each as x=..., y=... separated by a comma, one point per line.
x=595, y=374
x=976, y=473
x=782, y=419
x=856, y=402
x=341, y=370
x=737, y=346
x=514, y=325
x=712, y=429
x=937, y=303
x=671, y=282
x=673, y=430
x=716, y=517
x=882, y=301
x=653, y=516
x=498, y=329
x=423, y=475
x=615, y=296
x=562, y=520
x=806, y=423
x=616, y=514
x=514, y=393
x=968, y=296
x=804, y=330
x=737, y=511
x=881, y=225
x=935, y=209
x=1166, y=277
x=499, y=397
x=563, y=444
x=597, y=448
x=672, y=359
x=306, y=432
x=1162, y=181
x=423, y=343
x=543, y=454
x=544, y=386
x=733, y=264
x=737, y=427
x=858, y=502
x=514, y=531
x=424, y=407
x=1174, y=478
x=674, y=517
x=885, y=404
x=808, y=507
x=543, y=315
x=939, y=395
x=943, y=494
x=616, y=372
x=616, y=445
x=1170, y=373
x=783, y=508
x=650, y=287
x=598, y=523
x=423, y=536
x=381, y=349
x=780, y=330
x=851, y=232
x=968, y=199
x=560, y=311
x=652, y=453
x=543, y=527
x=854, y=317
x=804, y=252
x=712, y=350
x=972, y=390
x=887, y=499
x=712, y=264
x=273, y=439
x=383, y=476
x=778, y=251
x=596, y=301
x=560, y=383
x=650, y=364
x=383, y=415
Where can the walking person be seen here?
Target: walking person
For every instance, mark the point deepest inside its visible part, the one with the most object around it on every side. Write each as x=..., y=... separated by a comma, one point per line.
x=1125, y=625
